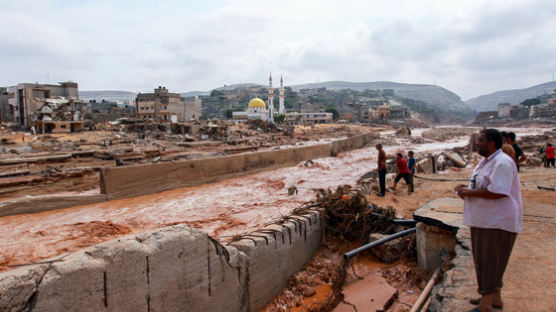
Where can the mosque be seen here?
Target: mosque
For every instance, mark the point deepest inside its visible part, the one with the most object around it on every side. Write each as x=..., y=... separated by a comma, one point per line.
x=258, y=109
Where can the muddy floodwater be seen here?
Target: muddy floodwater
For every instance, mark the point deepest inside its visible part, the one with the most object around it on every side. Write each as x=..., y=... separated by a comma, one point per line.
x=221, y=209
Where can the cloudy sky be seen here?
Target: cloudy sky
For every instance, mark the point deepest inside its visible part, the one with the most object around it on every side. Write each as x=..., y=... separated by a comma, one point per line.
x=469, y=47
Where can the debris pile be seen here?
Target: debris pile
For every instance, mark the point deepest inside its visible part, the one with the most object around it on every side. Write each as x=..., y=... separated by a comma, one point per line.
x=347, y=214
x=56, y=109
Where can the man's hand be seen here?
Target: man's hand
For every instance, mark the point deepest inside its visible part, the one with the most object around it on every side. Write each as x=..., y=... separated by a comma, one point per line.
x=461, y=190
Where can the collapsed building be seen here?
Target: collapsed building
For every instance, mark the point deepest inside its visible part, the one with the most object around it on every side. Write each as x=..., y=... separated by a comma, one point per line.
x=57, y=115
x=25, y=99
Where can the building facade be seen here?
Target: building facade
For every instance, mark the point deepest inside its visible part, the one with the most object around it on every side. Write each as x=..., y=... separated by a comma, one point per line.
x=193, y=108
x=161, y=106
x=309, y=118
x=25, y=99
x=504, y=110
x=5, y=114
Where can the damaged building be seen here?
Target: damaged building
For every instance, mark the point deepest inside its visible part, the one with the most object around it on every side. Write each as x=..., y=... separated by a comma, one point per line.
x=5, y=112
x=25, y=99
x=164, y=106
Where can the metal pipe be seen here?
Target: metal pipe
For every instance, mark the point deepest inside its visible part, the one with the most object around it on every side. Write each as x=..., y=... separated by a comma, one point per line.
x=381, y=241
x=407, y=222
x=425, y=294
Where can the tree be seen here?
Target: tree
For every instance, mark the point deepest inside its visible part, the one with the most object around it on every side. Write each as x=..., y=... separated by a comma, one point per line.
x=531, y=102
x=216, y=93
x=334, y=112
x=279, y=118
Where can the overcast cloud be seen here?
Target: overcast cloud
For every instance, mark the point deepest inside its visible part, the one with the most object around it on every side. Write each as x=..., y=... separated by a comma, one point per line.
x=468, y=47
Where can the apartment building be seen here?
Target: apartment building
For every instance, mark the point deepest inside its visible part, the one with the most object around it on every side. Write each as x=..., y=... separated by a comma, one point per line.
x=161, y=106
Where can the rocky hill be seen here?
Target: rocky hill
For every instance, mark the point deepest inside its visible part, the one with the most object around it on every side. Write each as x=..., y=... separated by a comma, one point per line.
x=489, y=102
x=437, y=97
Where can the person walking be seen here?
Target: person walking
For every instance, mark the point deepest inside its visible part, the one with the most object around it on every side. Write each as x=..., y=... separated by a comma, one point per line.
x=411, y=166
x=493, y=211
x=381, y=168
x=549, y=150
x=403, y=172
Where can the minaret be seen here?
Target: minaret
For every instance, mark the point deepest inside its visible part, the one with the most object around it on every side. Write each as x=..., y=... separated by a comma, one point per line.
x=281, y=97
x=270, y=100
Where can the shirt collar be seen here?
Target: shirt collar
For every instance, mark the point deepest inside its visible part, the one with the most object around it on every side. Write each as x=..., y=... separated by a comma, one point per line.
x=498, y=151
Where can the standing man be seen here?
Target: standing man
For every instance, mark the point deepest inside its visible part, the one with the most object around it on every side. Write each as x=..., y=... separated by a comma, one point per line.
x=411, y=166
x=519, y=156
x=549, y=150
x=403, y=172
x=381, y=167
x=493, y=211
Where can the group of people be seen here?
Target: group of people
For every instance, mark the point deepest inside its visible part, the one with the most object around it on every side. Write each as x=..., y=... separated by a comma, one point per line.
x=492, y=207
x=510, y=147
x=548, y=155
x=405, y=168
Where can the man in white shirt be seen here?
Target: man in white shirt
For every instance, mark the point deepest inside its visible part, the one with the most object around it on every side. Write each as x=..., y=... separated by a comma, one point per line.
x=493, y=211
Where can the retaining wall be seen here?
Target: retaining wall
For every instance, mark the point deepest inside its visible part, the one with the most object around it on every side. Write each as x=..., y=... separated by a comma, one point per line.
x=176, y=268
x=129, y=181
x=121, y=182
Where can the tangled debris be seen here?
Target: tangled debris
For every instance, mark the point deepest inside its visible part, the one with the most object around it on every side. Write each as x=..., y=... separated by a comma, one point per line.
x=347, y=214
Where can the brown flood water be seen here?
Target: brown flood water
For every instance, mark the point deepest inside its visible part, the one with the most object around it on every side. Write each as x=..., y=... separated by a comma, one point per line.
x=221, y=209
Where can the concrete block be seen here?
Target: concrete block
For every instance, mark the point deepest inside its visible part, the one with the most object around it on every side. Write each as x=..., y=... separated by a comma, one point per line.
x=186, y=271
x=265, y=280
x=272, y=261
x=75, y=284
x=126, y=272
x=18, y=286
x=177, y=268
x=431, y=244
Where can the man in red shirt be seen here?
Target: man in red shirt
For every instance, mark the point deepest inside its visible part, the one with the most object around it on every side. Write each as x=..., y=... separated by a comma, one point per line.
x=549, y=155
x=403, y=172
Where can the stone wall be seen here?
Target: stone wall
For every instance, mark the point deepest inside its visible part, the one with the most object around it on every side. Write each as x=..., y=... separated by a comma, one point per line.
x=176, y=268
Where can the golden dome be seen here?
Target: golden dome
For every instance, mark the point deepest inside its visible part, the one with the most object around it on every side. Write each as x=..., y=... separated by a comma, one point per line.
x=256, y=102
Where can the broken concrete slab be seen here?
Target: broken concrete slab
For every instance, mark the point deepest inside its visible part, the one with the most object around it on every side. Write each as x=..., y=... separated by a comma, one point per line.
x=18, y=287
x=456, y=159
x=446, y=213
x=373, y=293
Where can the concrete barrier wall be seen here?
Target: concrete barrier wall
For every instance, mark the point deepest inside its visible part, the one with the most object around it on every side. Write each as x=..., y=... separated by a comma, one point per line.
x=45, y=203
x=176, y=268
x=120, y=182
x=276, y=253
